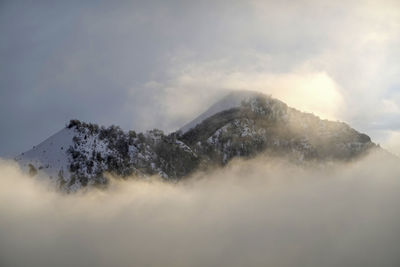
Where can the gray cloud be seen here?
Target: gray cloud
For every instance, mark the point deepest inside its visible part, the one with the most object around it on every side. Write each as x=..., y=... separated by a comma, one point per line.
x=95, y=62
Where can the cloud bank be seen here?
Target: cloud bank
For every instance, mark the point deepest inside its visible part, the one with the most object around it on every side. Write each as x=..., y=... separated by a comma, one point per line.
x=260, y=212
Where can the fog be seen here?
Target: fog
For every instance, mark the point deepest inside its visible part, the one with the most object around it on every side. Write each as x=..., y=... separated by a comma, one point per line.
x=259, y=212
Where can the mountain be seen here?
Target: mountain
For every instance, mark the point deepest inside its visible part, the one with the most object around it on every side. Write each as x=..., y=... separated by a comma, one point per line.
x=243, y=124
x=233, y=100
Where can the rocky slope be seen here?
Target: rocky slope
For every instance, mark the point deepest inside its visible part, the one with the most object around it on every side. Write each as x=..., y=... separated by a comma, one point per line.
x=242, y=124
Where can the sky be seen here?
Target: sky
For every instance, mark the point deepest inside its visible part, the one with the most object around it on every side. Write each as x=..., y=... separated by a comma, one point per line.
x=157, y=64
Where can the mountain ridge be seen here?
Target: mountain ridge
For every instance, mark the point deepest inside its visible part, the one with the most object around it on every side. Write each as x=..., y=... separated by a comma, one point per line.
x=244, y=125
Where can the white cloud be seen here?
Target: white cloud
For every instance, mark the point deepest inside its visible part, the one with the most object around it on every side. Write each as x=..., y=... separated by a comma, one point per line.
x=392, y=142
x=390, y=106
x=258, y=212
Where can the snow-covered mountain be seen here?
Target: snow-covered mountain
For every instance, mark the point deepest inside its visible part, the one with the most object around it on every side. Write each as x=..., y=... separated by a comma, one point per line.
x=50, y=156
x=243, y=124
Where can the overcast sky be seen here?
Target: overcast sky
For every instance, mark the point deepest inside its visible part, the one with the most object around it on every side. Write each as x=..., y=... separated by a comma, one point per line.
x=147, y=64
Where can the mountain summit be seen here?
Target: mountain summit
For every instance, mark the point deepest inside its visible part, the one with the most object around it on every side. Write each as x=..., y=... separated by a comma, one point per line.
x=243, y=124
x=232, y=100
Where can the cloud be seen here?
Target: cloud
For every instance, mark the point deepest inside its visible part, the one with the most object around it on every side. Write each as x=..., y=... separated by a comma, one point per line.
x=258, y=212
x=391, y=141
x=196, y=85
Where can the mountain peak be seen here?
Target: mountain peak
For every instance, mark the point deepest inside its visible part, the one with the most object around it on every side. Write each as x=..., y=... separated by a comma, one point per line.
x=231, y=100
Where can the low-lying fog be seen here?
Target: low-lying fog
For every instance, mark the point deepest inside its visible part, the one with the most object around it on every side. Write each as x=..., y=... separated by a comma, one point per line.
x=260, y=212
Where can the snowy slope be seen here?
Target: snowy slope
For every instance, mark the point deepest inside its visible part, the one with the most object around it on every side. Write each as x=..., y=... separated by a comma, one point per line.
x=81, y=154
x=50, y=156
x=232, y=100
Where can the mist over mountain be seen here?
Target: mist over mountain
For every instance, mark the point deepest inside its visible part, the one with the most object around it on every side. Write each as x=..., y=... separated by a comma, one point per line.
x=258, y=212
x=243, y=124
x=249, y=182
x=212, y=133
